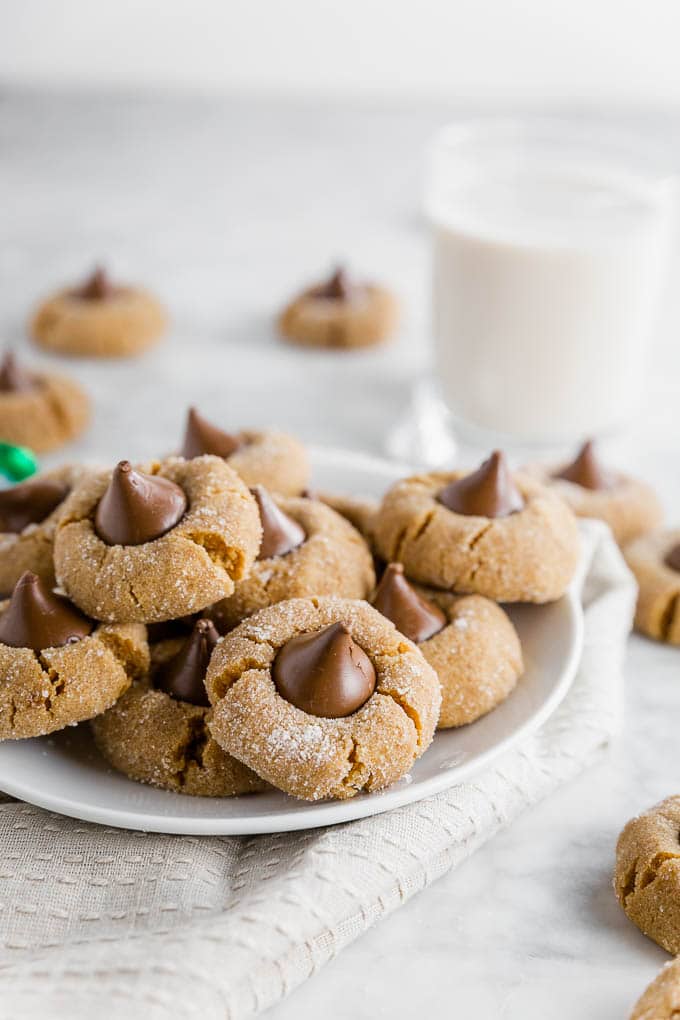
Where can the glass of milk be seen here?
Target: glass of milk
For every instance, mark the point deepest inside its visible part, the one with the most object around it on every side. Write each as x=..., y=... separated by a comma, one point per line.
x=550, y=248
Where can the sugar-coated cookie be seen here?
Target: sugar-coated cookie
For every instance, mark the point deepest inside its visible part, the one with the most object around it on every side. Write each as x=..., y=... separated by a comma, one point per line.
x=468, y=640
x=58, y=667
x=156, y=543
x=340, y=313
x=661, y=999
x=629, y=506
x=322, y=697
x=273, y=459
x=490, y=533
x=158, y=731
x=40, y=410
x=655, y=560
x=647, y=876
x=307, y=549
x=99, y=319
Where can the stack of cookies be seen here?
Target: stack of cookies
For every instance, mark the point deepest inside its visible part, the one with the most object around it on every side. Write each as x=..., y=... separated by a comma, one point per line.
x=226, y=633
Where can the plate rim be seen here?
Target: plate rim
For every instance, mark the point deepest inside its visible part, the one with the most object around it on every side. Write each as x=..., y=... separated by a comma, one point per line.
x=326, y=813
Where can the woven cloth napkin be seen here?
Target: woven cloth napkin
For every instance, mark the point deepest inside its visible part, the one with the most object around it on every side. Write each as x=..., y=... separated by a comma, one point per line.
x=106, y=923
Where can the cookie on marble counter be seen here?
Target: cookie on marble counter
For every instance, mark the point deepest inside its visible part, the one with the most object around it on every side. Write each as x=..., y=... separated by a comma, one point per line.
x=489, y=533
x=40, y=410
x=58, y=667
x=655, y=560
x=264, y=457
x=322, y=697
x=99, y=319
x=661, y=999
x=29, y=513
x=629, y=506
x=157, y=543
x=340, y=313
x=158, y=731
x=468, y=640
x=647, y=875
x=307, y=549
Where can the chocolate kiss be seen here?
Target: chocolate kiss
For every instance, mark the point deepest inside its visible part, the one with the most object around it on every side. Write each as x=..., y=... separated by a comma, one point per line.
x=280, y=533
x=97, y=288
x=586, y=470
x=36, y=618
x=183, y=677
x=672, y=559
x=415, y=617
x=137, y=508
x=201, y=437
x=487, y=492
x=325, y=673
x=13, y=378
x=338, y=288
x=29, y=503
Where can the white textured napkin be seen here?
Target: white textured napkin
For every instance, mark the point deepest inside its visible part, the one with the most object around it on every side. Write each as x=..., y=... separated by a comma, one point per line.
x=107, y=923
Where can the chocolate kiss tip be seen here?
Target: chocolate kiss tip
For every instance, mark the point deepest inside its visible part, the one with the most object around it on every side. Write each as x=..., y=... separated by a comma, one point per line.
x=183, y=677
x=338, y=287
x=672, y=558
x=13, y=378
x=414, y=616
x=36, y=618
x=138, y=508
x=29, y=503
x=200, y=437
x=280, y=533
x=490, y=491
x=325, y=674
x=585, y=470
x=97, y=287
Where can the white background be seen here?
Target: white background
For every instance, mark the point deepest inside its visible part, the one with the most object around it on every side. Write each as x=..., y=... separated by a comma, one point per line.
x=489, y=51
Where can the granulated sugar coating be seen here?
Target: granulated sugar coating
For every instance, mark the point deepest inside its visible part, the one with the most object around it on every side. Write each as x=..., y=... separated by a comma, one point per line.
x=527, y=556
x=193, y=565
x=333, y=560
x=309, y=756
x=273, y=459
x=477, y=657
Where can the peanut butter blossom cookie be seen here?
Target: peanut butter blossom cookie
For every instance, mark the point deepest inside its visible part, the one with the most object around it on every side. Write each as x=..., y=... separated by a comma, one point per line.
x=99, y=319
x=490, y=533
x=158, y=732
x=156, y=544
x=469, y=641
x=322, y=697
x=655, y=561
x=57, y=667
x=39, y=410
x=266, y=458
x=647, y=877
x=630, y=507
x=340, y=313
x=307, y=549
x=661, y=999
x=29, y=513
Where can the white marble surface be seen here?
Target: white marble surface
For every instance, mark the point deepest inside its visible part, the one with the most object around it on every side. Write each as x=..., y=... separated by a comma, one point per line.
x=223, y=208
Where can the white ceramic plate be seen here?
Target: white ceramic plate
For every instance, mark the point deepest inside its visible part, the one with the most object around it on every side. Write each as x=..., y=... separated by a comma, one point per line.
x=64, y=773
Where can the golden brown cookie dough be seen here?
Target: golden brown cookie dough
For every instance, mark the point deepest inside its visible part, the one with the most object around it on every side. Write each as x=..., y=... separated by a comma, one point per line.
x=477, y=656
x=340, y=313
x=264, y=457
x=155, y=738
x=32, y=547
x=40, y=410
x=99, y=320
x=661, y=999
x=360, y=512
x=307, y=755
x=195, y=563
x=629, y=506
x=647, y=876
x=45, y=690
x=332, y=560
x=657, y=612
x=525, y=556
